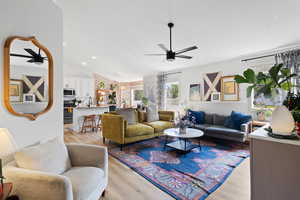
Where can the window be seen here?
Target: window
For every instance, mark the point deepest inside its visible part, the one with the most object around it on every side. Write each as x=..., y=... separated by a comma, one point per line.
x=262, y=102
x=138, y=95
x=172, y=93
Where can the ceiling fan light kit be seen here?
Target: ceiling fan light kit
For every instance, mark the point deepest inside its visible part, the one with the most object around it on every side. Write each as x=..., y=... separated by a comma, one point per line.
x=169, y=53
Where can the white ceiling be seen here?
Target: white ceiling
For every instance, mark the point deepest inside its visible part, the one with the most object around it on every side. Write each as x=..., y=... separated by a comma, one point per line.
x=120, y=32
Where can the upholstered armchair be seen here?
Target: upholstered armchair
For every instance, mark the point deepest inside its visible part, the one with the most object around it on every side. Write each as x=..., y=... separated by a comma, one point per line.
x=80, y=173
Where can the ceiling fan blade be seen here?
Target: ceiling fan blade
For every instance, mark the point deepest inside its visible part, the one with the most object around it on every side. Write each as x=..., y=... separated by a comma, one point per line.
x=31, y=60
x=20, y=55
x=31, y=52
x=163, y=47
x=155, y=54
x=183, y=56
x=186, y=49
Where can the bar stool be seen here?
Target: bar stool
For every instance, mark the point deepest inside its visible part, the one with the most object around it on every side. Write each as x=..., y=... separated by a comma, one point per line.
x=99, y=124
x=89, y=122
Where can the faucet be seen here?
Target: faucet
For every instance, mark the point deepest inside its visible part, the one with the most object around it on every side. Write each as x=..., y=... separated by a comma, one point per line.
x=90, y=101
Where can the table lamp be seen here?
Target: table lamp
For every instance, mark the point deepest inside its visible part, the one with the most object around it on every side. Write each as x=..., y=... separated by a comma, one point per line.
x=7, y=146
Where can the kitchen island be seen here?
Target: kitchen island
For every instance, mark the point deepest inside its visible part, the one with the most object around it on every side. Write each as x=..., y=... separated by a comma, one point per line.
x=274, y=166
x=81, y=111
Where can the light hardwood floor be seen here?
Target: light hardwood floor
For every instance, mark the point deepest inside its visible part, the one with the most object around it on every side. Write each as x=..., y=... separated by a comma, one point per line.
x=125, y=184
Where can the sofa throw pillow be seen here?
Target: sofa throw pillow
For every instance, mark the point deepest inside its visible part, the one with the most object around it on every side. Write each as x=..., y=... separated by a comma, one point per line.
x=50, y=157
x=238, y=119
x=129, y=115
x=197, y=117
x=229, y=123
x=152, y=113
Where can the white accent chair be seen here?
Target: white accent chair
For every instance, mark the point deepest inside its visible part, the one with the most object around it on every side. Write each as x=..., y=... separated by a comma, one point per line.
x=55, y=171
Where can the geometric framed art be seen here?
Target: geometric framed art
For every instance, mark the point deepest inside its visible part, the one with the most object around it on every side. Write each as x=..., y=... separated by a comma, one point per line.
x=212, y=84
x=195, y=92
x=34, y=85
x=229, y=89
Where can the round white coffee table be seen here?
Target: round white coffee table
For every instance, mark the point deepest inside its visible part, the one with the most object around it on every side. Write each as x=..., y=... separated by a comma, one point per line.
x=182, y=143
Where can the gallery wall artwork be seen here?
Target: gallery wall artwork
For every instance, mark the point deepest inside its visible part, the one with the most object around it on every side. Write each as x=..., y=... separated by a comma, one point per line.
x=34, y=85
x=15, y=90
x=212, y=83
x=229, y=89
x=215, y=97
x=195, y=92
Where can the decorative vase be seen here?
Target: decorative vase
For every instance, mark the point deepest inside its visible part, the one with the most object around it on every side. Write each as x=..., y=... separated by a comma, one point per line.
x=182, y=129
x=282, y=122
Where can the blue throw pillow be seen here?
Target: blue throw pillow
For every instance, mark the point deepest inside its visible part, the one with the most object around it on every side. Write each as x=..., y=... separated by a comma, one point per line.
x=237, y=119
x=229, y=123
x=197, y=117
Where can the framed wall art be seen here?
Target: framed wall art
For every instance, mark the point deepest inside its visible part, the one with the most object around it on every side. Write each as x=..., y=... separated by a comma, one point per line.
x=229, y=89
x=215, y=97
x=212, y=84
x=195, y=92
x=15, y=90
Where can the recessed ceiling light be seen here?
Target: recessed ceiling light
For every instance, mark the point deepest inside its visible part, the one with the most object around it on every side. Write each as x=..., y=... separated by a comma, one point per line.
x=94, y=57
x=83, y=63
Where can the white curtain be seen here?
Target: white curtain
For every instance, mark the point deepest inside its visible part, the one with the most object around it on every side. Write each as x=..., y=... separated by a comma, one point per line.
x=291, y=60
x=150, y=88
x=161, y=83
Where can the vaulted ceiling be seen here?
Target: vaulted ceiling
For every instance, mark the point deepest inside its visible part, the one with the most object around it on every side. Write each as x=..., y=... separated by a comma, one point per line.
x=119, y=32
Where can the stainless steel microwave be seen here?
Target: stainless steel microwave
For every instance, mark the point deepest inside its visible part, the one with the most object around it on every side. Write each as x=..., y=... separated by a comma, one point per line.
x=69, y=92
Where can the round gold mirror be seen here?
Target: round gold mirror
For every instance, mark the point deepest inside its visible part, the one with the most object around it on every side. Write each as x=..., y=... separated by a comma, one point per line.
x=28, y=77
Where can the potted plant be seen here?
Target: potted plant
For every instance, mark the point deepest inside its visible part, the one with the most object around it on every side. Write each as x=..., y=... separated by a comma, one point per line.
x=101, y=85
x=145, y=102
x=277, y=79
x=296, y=115
x=112, y=98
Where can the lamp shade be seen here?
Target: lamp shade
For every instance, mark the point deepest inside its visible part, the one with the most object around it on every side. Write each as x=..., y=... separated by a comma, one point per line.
x=282, y=122
x=7, y=144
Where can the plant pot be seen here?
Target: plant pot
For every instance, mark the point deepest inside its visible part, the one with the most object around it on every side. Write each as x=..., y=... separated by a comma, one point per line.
x=298, y=128
x=112, y=108
x=282, y=122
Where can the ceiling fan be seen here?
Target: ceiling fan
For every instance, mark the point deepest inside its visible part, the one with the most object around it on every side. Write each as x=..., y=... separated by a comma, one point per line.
x=36, y=58
x=169, y=53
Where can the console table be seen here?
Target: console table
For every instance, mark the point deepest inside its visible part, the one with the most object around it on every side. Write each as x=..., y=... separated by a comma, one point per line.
x=275, y=165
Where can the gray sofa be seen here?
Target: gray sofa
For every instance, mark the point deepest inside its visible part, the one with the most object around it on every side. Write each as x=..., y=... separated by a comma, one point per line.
x=214, y=127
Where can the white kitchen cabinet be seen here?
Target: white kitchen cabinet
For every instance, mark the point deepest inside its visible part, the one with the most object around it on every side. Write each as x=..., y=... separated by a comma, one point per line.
x=82, y=86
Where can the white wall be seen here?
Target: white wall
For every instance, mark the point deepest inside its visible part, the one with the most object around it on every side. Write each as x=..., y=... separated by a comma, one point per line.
x=194, y=75
x=43, y=19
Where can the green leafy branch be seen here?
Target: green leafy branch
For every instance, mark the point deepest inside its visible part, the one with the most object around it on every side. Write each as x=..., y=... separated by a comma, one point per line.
x=263, y=83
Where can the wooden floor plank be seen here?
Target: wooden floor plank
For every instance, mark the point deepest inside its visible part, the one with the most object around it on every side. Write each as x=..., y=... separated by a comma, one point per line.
x=124, y=183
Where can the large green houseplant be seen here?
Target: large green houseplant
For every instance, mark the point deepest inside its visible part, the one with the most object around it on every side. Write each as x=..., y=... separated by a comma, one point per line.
x=277, y=78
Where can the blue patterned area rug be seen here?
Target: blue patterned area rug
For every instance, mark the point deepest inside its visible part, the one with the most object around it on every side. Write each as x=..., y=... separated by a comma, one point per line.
x=190, y=176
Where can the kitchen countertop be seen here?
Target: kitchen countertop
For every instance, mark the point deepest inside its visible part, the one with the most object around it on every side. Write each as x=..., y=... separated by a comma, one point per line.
x=92, y=107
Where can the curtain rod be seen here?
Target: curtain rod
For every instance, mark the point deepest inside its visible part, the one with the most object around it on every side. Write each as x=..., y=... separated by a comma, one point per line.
x=270, y=55
x=170, y=73
x=259, y=57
